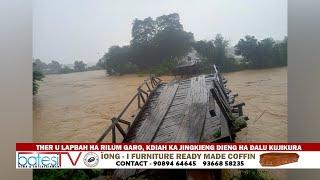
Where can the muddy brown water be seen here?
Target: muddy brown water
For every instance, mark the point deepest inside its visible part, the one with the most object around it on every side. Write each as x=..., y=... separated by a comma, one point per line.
x=265, y=95
x=78, y=106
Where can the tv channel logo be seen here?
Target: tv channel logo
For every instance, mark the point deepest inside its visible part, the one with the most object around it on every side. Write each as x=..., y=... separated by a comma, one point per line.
x=37, y=160
x=46, y=160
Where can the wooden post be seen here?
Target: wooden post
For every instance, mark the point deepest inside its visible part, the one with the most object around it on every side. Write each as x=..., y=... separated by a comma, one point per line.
x=106, y=132
x=154, y=82
x=148, y=86
x=123, y=133
x=113, y=132
x=142, y=98
x=139, y=94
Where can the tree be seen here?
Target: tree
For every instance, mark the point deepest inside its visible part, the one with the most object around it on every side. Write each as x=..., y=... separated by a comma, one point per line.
x=248, y=48
x=220, y=45
x=169, y=22
x=101, y=63
x=118, y=60
x=79, y=66
x=214, y=52
x=66, y=70
x=264, y=53
x=39, y=65
x=36, y=77
x=205, y=49
x=281, y=52
x=143, y=31
x=54, y=67
x=153, y=42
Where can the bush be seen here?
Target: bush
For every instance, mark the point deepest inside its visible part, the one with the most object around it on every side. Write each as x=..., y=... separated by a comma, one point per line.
x=252, y=174
x=37, y=76
x=76, y=174
x=66, y=70
x=165, y=68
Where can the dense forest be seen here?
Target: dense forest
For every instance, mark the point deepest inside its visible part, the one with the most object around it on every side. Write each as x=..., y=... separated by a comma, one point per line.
x=156, y=44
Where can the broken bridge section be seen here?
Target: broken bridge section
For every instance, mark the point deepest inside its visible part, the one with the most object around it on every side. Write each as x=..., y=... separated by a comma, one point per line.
x=198, y=109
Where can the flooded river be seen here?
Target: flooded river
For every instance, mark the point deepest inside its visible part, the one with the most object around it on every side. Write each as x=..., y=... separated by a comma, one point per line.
x=79, y=106
x=265, y=94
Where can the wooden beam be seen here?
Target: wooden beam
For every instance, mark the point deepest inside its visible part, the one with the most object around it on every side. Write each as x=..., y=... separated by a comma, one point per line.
x=141, y=90
x=127, y=106
x=139, y=106
x=124, y=122
x=123, y=133
x=148, y=86
x=106, y=132
x=223, y=105
x=114, y=132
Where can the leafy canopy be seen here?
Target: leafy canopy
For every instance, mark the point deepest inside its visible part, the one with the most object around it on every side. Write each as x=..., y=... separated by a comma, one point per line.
x=153, y=42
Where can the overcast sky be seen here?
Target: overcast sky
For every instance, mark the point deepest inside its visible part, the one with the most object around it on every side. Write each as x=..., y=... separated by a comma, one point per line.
x=69, y=30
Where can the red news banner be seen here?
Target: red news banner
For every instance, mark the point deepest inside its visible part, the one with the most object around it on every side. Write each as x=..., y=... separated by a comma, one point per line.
x=167, y=155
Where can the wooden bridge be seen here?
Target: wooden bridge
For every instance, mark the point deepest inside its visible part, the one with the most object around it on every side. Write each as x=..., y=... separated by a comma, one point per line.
x=198, y=109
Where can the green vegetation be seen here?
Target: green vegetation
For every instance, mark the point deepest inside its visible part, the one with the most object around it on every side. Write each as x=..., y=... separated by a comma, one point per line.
x=154, y=41
x=254, y=53
x=36, y=77
x=217, y=133
x=54, y=67
x=215, y=52
x=79, y=66
x=66, y=174
x=264, y=53
x=157, y=43
x=239, y=123
x=164, y=68
x=251, y=174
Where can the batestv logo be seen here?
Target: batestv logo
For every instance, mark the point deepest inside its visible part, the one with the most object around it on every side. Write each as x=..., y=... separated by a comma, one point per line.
x=46, y=160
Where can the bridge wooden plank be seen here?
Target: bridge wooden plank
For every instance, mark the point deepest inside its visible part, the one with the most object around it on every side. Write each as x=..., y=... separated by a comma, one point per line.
x=150, y=126
x=191, y=125
x=139, y=118
x=170, y=122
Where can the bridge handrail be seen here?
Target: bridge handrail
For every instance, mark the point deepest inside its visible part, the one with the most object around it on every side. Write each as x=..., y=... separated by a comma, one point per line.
x=143, y=96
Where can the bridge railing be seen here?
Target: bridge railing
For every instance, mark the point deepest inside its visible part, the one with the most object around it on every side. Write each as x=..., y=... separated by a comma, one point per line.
x=225, y=99
x=142, y=96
